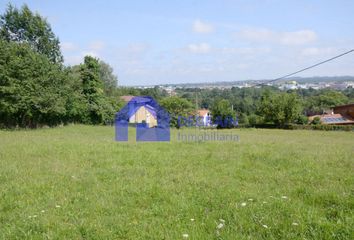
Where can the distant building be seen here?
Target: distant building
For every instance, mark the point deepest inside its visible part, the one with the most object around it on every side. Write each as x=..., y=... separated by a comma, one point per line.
x=345, y=110
x=205, y=117
x=170, y=91
x=350, y=84
x=290, y=85
x=126, y=98
x=338, y=86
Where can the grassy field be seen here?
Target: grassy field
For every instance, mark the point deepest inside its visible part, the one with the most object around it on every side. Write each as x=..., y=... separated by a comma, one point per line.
x=76, y=182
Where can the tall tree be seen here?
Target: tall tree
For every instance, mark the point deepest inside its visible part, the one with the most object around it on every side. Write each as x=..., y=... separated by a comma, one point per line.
x=77, y=107
x=24, y=26
x=110, y=80
x=99, y=108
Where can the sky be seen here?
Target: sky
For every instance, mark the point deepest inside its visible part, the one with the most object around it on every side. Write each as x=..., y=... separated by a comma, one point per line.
x=151, y=42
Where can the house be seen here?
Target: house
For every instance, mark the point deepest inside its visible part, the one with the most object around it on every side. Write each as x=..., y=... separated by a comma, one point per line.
x=341, y=115
x=204, y=117
x=346, y=110
x=140, y=113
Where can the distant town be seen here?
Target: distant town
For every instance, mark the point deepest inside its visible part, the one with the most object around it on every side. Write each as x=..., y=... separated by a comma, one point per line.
x=336, y=83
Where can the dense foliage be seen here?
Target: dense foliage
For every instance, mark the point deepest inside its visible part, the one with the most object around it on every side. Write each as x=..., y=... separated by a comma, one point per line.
x=33, y=91
x=179, y=109
x=223, y=114
x=98, y=108
x=24, y=26
x=36, y=89
x=280, y=108
x=107, y=76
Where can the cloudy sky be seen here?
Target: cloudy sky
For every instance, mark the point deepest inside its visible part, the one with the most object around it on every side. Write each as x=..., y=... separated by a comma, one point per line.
x=179, y=41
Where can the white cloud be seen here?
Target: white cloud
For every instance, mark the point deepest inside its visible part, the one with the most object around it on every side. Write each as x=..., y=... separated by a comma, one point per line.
x=202, y=27
x=260, y=35
x=131, y=55
x=78, y=58
x=315, y=51
x=90, y=53
x=96, y=45
x=199, y=48
x=286, y=38
x=246, y=50
x=298, y=37
x=75, y=55
x=73, y=60
x=137, y=48
x=242, y=66
x=67, y=46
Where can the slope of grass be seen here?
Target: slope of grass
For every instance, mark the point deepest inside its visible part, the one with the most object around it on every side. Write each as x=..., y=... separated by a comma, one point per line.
x=76, y=182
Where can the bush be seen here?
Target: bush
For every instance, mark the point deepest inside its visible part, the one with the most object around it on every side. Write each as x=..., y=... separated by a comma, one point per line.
x=302, y=120
x=316, y=121
x=322, y=127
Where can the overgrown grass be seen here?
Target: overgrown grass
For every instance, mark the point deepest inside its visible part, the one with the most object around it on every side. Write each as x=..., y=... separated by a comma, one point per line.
x=76, y=182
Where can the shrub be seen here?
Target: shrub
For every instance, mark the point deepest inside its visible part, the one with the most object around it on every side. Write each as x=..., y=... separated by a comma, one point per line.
x=316, y=121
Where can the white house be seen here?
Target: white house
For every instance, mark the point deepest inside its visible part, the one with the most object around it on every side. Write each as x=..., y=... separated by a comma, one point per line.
x=204, y=117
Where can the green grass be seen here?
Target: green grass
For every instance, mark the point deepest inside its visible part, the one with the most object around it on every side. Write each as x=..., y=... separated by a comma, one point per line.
x=76, y=182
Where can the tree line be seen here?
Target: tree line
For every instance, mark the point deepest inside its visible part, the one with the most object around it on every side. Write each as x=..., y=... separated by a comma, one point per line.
x=249, y=106
x=267, y=105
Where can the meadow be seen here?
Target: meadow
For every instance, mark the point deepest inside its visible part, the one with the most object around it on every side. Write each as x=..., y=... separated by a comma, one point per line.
x=76, y=182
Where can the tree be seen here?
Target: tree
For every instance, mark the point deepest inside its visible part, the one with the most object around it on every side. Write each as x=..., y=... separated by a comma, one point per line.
x=280, y=108
x=36, y=89
x=92, y=88
x=222, y=114
x=24, y=26
x=154, y=92
x=106, y=74
x=77, y=107
x=316, y=121
x=324, y=100
x=177, y=107
x=32, y=90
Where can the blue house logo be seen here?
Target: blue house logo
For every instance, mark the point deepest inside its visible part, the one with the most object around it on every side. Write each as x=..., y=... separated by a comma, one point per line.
x=152, y=122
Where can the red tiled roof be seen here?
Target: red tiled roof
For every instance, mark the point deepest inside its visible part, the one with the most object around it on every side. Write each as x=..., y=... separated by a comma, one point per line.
x=126, y=98
x=203, y=112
